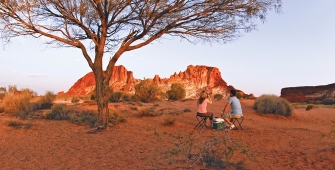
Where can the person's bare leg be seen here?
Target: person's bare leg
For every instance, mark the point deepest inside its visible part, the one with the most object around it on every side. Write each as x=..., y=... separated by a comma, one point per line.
x=227, y=120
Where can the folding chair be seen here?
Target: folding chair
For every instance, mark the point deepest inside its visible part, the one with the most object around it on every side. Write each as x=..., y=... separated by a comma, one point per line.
x=201, y=121
x=238, y=122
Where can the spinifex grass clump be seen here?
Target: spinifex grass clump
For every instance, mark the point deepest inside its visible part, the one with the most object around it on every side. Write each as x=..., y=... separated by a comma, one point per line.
x=147, y=112
x=17, y=103
x=62, y=112
x=45, y=102
x=272, y=104
x=309, y=107
x=169, y=120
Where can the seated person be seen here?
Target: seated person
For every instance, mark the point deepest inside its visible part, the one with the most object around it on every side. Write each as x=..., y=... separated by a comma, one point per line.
x=202, y=106
x=236, y=109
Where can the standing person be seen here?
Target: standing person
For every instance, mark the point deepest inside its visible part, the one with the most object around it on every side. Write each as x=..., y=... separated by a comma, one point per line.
x=202, y=106
x=236, y=109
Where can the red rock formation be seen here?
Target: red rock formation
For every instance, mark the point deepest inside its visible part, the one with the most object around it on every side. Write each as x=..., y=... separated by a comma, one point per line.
x=305, y=93
x=121, y=80
x=194, y=78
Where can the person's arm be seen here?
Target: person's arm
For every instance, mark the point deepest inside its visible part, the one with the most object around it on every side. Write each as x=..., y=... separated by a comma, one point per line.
x=224, y=109
x=209, y=101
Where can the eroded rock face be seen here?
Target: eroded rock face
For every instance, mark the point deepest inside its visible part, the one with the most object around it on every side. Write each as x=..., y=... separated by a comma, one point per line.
x=121, y=80
x=305, y=93
x=194, y=78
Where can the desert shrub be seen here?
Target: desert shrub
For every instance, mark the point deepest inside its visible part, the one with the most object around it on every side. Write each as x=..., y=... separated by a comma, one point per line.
x=75, y=100
x=187, y=150
x=45, y=102
x=309, y=107
x=134, y=98
x=19, y=124
x=146, y=112
x=92, y=97
x=218, y=96
x=328, y=101
x=116, y=117
x=18, y=104
x=58, y=112
x=3, y=92
x=133, y=108
x=169, y=120
x=84, y=117
x=115, y=97
x=177, y=92
x=187, y=110
x=273, y=104
x=126, y=97
x=147, y=91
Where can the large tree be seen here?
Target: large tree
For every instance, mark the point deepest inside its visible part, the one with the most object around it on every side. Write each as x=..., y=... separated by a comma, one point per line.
x=113, y=27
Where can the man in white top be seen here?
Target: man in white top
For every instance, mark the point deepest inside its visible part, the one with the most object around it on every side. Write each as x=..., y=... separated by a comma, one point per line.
x=236, y=109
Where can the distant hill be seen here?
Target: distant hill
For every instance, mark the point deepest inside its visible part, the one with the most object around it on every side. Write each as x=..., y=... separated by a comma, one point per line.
x=305, y=93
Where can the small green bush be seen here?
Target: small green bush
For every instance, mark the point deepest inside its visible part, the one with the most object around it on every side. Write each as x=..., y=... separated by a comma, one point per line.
x=19, y=124
x=309, y=107
x=85, y=117
x=92, y=97
x=218, y=96
x=328, y=101
x=116, y=117
x=58, y=112
x=273, y=104
x=45, y=102
x=115, y=97
x=75, y=100
x=147, y=91
x=134, y=98
x=126, y=97
x=187, y=110
x=177, y=92
x=146, y=112
x=62, y=112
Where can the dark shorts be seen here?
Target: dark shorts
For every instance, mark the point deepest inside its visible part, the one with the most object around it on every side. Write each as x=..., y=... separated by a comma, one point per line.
x=208, y=114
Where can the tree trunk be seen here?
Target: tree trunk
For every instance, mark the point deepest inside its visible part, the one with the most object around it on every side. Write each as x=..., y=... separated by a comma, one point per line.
x=102, y=96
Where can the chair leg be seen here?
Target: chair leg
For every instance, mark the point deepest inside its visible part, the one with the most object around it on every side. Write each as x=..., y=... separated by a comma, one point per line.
x=201, y=122
x=239, y=122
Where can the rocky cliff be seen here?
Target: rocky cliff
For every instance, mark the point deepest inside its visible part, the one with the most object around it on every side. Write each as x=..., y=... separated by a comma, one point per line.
x=121, y=80
x=305, y=93
x=194, y=78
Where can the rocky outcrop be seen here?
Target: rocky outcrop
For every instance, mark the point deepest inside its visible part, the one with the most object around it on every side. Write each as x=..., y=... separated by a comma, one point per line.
x=121, y=80
x=305, y=93
x=194, y=79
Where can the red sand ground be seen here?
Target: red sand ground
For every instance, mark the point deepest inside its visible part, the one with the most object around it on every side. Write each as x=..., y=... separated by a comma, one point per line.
x=274, y=142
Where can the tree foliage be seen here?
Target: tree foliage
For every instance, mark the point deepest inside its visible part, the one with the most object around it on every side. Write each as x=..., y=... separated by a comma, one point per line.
x=177, y=91
x=147, y=91
x=115, y=27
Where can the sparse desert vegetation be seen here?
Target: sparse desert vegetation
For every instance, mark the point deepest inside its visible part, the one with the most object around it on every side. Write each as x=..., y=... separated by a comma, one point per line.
x=272, y=104
x=161, y=134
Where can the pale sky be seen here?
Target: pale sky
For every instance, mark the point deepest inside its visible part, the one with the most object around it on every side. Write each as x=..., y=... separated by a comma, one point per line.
x=294, y=48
